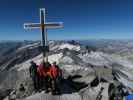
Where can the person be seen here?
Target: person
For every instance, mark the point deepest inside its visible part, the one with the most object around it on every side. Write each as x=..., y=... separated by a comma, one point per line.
x=55, y=74
x=34, y=74
x=42, y=73
x=48, y=78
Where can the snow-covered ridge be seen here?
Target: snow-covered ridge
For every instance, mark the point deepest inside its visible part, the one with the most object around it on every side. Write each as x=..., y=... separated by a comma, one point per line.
x=78, y=62
x=38, y=60
x=70, y=47
x=95, y=58
x=67, y=60
x=53, y=46
x=101, y=59
x=31, y=46
x=64, y=46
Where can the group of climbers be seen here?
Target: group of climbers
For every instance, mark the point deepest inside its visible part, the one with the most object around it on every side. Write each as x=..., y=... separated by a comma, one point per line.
x=45, y=76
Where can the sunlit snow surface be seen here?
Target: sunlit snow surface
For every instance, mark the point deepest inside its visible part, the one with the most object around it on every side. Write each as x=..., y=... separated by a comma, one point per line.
x=70, y=46
x=66, y=45
x=122, y=67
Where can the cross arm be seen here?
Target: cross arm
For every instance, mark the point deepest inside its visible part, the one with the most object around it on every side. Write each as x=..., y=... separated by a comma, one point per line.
x=31, y=25
x=46, y=25
x=54, y=25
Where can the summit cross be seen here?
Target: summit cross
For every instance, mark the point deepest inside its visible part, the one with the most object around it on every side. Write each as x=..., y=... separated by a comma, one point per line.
x=43, y=25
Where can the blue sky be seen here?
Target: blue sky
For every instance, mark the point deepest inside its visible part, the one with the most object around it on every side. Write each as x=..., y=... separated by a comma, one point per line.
x=83, y=19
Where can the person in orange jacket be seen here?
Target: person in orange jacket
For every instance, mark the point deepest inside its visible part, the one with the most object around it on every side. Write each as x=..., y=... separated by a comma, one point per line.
x=48, y=77
x=54, y=74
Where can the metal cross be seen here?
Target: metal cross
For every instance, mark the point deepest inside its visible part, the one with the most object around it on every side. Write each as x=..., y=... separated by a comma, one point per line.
x=43, y=25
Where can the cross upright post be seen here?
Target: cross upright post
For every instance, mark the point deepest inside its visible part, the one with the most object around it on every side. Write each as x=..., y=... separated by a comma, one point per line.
x=43, y=41
x=43, y=25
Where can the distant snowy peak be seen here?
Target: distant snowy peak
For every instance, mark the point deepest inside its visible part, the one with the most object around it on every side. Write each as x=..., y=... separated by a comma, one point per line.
x=62, y=45
x=95, y=58
x=70, y=47
x=30, y=46
x=53, y=46
x=103, y=59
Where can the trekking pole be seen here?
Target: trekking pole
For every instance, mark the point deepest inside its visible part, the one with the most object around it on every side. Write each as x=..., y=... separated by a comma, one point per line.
x=99, y=96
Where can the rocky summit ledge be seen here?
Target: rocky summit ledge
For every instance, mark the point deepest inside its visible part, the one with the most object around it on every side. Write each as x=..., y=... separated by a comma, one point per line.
x=43, y=96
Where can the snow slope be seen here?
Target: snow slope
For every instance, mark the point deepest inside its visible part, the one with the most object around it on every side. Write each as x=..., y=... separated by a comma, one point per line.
x=121, y=67
x=38, y=60
x=70, y=47
x=81, y=64
x=64, y=46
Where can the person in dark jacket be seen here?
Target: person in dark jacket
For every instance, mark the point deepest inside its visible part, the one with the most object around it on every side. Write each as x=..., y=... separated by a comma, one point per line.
x=34, y=75
x=47, y=77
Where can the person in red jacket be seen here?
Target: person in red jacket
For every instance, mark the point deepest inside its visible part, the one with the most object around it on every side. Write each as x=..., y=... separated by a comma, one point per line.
x=42, y=73
x=54, y=74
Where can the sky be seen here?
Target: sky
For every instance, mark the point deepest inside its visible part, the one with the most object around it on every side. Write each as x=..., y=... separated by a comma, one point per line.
x=83, y=19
